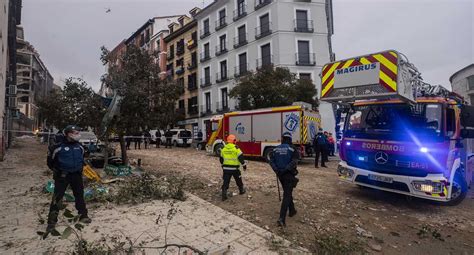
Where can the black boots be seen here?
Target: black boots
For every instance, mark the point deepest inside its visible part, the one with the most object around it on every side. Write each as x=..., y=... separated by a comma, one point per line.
x=224, y=195
x=242, y=191
x=281, y=223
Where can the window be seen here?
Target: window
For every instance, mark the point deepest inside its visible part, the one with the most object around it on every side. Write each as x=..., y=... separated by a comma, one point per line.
x=470, y=83
x=223, y=73
x=242, y=34
x=264, y=24
x=181, y=22
x=305, y=76
x=224, y=98
x=303, y=55
x=180, y=47
x=222, y=17
x=147, y=35
x=450, y=122
x=171, y=53
x=206, y=50
x=193, y=60
x=266, y=55
x=205, y=28
x=181, y=104
x=302, y=20
x=242, y=68
x=192, y=105
x=194, y=37
x=222, y=41
x=207, y=75
x=240, y=7
x=192, y=78
x=208, y=101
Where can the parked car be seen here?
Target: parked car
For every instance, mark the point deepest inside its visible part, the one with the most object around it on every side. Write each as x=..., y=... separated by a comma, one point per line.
x=87, y=138
x=153, y=135
x=181, y=137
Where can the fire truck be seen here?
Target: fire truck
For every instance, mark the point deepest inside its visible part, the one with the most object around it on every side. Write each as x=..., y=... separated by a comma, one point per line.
x=259, y=131
x=399, y=133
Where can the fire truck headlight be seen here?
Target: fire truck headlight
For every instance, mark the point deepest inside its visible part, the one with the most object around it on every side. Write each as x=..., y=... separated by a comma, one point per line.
x=345, y=172
x=348, y=143
x=424, y=149
x=428, y=186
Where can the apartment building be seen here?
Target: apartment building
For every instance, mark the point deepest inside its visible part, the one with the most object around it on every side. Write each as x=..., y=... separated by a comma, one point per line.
x=182, y=43
x=34, y=81
x=4, y=7
x=462, y=82
x=238, y=36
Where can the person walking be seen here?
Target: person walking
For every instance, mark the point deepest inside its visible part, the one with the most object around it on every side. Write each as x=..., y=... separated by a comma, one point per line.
x=168, y=136
x=284, y=160
x=158, y=138
x=231, y=159
x=331, y=145
x=319, y=144
x=66, y=160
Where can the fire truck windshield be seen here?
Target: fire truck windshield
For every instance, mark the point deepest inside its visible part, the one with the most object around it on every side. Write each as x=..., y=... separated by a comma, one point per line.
x=395, y=120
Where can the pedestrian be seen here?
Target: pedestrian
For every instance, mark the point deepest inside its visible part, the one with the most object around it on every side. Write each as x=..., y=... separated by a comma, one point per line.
x=128, y=141
x=66, y=160
x=146, y=139
x=137, y=138
x=331, y=145
x=319, y=144
x=168, y=136
x=284, y=160
x=158, y=138
x=231, y=159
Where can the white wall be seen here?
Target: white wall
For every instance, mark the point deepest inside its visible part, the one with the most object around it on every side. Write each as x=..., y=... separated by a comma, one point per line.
x=460, y=83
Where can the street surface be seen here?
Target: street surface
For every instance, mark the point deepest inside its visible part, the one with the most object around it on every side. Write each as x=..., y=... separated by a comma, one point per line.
x=376, y=221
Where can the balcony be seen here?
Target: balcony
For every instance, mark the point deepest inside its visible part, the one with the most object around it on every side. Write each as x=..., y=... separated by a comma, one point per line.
x=180, y=112
x=204, y=33
x=263, y=30
x=304, y=25
x=206, y=82
x=205, y=56
x=221, y=23
x=193, y=65
x=206, y=110
x=170, y=55
x=193, y=110
x=305, y=59
x=192, y=86
x=239, y=42
x=265, y=62
x=179, y=70
x=261, y=3
x=221, y=49
x=180, y=51
x=222, y=107
x=221, y=77
x=191, y=44
x=241, y=70
x=240, y=13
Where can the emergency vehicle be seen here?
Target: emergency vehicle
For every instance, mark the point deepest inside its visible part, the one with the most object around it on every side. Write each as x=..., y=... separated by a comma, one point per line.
x=400, y=134
x=259, y=131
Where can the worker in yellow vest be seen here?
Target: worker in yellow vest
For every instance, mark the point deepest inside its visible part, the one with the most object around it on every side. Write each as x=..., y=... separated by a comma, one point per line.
x=231, y=159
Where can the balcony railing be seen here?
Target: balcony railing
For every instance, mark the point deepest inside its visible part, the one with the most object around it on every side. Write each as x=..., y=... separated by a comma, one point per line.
x=192, y=43
x=221, y=49
x=192, y=86
x=221, y=77
x=204, y=33
x=265, y=62
x=206, y=110
x=240, y=12
x=222, y=107
x=193, y=65
x=263, y=30
x=241, y=70
x=305, y=59
x=179, y=70
x=221, y=23
x=261, y=3
x=304, y=25
x=169, y=55
x=180, y=51
x=193, y=110
x=206, y=82
x=205, y=56
x=239, y=42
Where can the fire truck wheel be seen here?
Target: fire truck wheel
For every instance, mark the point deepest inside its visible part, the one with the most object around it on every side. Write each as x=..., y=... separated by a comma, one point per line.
x=266, y=153
x=459, y=190
x=218, y=148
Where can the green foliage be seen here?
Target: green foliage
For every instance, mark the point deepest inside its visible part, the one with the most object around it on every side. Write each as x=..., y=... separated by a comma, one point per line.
x=270, y=87
x=76, y=104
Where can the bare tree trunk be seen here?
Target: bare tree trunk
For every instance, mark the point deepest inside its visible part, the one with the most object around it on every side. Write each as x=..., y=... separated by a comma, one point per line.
x=123, y=148
x=106, y=156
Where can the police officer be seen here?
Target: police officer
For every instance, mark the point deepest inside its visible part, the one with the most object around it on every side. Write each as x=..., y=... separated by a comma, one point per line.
x=231, y=158
x=284, y=160
x=66, y=160
x=320, y=147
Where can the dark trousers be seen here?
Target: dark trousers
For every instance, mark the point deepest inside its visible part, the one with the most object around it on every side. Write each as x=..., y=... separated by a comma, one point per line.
x=168, y=143
x=138, y=144
x=288, y=183
x=228, y=175
x=320, y=150
x=146, y=144
x=127, y=145
x=158, y=142
x=60, y=186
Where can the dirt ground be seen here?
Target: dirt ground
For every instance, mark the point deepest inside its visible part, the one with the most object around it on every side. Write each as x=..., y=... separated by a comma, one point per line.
x=331, y=214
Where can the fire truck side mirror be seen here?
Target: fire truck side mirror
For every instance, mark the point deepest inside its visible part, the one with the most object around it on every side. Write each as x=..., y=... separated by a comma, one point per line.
x=467, y=133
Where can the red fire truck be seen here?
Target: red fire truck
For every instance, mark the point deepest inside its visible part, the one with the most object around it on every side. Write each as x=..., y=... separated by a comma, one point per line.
x=259, y=131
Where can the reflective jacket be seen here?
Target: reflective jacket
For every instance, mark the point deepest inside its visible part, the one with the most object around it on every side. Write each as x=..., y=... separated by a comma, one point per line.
x=67, y=157
x=231, y=157
x=284, y=159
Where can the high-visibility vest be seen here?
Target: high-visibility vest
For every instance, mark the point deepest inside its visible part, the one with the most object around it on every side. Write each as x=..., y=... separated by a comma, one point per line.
x=230, y=153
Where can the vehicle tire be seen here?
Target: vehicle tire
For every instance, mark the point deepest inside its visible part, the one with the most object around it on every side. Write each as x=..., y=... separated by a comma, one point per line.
x=266, y=153
x=218, y=148
x=459, y=190
x=175, y=143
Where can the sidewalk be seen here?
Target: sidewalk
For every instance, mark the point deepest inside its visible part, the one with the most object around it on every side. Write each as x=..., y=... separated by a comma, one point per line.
x=197, y=223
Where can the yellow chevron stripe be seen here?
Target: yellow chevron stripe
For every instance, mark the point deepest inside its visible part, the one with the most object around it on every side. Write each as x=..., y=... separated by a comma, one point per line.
x=387, y=80
x=394, y=54
x=364, y=61
x=386, y=63
x=328, y=86
x=347, y=64
x=331, y=70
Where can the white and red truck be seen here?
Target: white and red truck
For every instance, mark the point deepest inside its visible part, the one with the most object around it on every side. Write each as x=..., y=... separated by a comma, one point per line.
x=400, y=134
x=259, y=131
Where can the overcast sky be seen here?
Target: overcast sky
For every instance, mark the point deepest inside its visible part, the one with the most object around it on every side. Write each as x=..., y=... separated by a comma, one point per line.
x=436, y=35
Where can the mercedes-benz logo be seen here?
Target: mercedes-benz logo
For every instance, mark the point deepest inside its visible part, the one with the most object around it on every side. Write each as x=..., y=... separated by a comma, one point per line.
x=381, y=157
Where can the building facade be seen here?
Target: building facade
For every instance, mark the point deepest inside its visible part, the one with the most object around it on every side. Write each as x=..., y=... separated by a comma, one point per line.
x=182, y=67
x=462, y=82
x=237, y=36
x=4, y=4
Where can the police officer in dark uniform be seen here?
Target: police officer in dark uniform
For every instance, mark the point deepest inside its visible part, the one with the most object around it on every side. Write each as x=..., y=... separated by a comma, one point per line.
x=66, y=160
x=320, y=143
x=284, y=160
